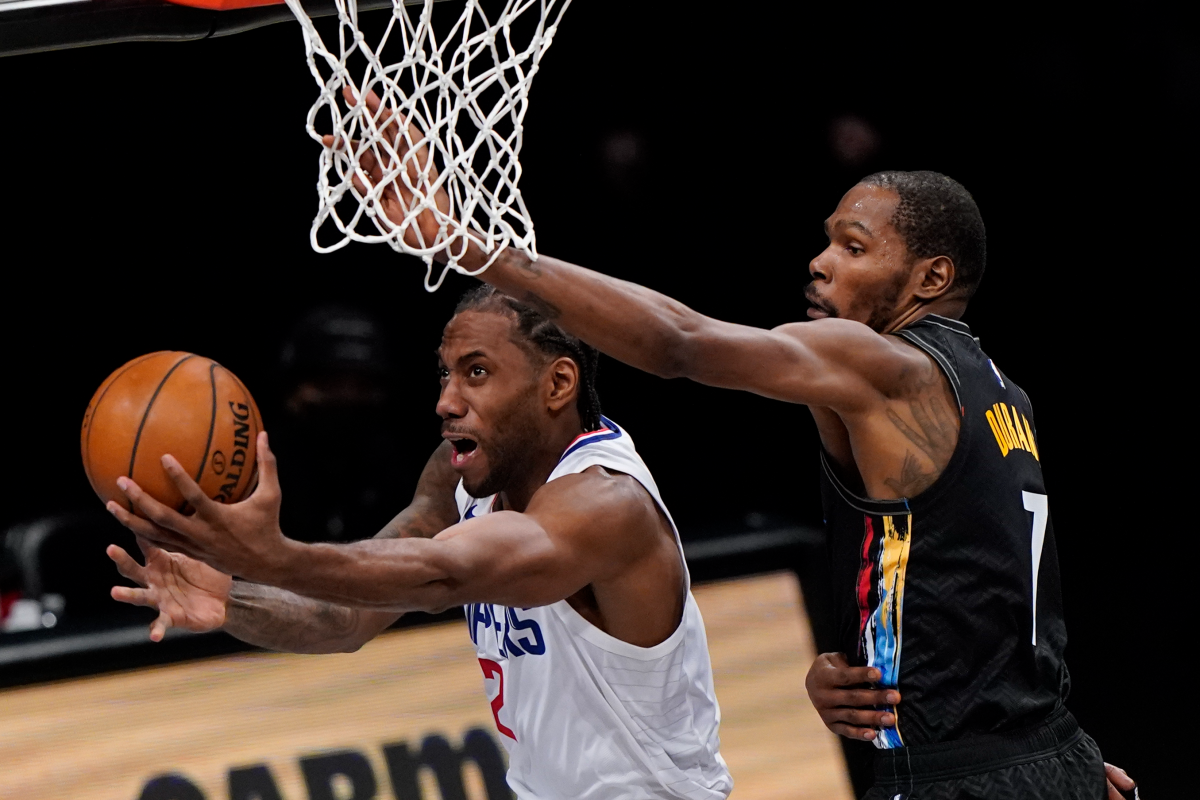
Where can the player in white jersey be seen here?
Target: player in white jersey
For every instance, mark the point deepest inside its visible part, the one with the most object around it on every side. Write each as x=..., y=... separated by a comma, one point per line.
x=539, y=517
x=562, y=678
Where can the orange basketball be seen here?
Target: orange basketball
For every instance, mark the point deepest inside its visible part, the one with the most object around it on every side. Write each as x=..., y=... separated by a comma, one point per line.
x=177, y=403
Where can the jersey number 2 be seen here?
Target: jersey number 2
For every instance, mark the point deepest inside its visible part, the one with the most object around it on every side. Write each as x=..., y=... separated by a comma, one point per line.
x=1040, y=506
x=493, y=670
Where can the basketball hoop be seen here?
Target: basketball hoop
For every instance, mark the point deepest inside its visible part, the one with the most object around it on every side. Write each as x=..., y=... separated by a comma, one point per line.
x=464, y=95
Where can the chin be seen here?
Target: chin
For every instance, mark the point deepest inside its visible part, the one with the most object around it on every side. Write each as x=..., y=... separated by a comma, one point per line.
x=482, y=487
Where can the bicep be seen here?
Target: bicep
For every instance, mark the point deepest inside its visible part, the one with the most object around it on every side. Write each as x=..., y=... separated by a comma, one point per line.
x=823, y=363
x=577, y=529
x=510, y=558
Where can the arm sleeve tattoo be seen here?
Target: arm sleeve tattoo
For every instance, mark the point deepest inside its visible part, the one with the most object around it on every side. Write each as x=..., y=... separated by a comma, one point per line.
x=280, y=620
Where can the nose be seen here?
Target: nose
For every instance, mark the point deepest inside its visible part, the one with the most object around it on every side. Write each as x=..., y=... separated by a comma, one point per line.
x=818, y=267
x=451, y=404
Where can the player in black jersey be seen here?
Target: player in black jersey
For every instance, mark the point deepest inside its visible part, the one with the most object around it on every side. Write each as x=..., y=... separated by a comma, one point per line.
x=943, y=553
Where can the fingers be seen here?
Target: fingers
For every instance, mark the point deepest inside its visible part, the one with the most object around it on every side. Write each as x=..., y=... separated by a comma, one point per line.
x=851, y=732
x=191, y=491
x=127, y=566
x=370, y=165
x=158, y=628
x=150, y=537
x=135, y=597
x=857, y=723
x=140, y=527
x=853, y=676
x=151, y=509
x=1118, y=777
x=268, y=470
x=828, y=673
x=149, y=550
x=380, y=114
x=834, y=666
x=862, y=717
x=862, y=697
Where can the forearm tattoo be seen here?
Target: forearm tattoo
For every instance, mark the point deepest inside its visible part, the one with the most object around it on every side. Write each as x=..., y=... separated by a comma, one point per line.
x=280, y=620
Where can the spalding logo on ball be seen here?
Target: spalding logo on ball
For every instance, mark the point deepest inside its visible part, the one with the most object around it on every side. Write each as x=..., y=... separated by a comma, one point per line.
x=177, y=403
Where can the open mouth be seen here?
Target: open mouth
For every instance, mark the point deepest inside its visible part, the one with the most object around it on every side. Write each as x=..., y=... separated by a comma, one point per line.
x=463, y=450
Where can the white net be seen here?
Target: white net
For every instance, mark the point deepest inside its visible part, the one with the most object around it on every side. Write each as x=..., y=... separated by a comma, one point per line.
x=464, y=95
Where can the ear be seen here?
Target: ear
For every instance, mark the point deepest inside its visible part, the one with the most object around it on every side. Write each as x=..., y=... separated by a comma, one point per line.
x=935, y=277
x=563, y=375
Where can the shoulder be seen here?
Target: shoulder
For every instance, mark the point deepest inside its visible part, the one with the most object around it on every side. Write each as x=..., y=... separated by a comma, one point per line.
x=886, y=362
x=596, y=487
x=598, y=503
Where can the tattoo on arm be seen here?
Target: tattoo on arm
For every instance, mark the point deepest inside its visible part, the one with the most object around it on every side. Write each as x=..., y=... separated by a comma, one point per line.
x=542, y=306
x=913, y=478
x=280, y=620
x=530, y=266
x=935, y=435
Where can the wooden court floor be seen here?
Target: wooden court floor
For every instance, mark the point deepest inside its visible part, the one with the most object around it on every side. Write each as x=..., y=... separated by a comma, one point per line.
x=105, y=737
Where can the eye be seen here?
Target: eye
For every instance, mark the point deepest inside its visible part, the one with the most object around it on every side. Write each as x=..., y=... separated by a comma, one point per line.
x=478, y=371
x=443, y=373
x=855, y=249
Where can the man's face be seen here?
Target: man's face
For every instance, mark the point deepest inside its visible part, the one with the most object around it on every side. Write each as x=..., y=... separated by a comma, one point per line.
x=489, y=402
x=865, y=269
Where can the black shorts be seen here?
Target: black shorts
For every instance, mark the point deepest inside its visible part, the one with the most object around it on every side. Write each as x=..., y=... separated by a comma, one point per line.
x=1052, y=761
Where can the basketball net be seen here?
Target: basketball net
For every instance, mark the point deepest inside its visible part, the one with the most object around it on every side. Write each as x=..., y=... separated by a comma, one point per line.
x=465, y=93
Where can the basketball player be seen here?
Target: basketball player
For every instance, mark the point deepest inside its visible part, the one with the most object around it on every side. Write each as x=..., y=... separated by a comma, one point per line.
x=538, y=516
x=943, y=552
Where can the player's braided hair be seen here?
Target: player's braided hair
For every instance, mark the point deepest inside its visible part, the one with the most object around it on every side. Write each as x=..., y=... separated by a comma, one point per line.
x=938, y=217
x=547, y=339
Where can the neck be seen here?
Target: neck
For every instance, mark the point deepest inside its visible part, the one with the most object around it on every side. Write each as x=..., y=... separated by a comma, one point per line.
x=538, y=462
x=952, y=308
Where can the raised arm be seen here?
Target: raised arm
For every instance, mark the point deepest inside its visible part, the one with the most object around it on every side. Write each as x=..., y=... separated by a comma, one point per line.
x=833, y=363
x=194, y=596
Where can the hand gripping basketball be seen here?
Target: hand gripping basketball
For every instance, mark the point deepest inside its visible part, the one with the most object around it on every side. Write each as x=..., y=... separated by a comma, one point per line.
x=242, y=539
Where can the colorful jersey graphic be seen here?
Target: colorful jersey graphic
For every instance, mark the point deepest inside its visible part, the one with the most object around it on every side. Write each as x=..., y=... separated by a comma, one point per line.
x=881, y=612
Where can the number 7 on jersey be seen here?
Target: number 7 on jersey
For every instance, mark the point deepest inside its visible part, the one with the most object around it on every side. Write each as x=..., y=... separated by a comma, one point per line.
x=1039, y=504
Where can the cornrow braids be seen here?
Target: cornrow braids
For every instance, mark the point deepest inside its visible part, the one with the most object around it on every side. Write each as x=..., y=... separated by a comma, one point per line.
x=547, y=339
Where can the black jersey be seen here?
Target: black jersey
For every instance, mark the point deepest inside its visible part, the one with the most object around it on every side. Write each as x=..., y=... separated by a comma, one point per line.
x=954, y=594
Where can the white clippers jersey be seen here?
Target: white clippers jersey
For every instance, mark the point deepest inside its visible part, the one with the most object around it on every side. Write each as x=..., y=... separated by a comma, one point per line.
x=585, y=716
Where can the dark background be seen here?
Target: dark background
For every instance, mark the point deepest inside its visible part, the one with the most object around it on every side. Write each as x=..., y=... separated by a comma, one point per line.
x=159, y=196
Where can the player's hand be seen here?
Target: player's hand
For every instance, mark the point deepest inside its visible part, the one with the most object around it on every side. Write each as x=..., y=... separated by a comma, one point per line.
x=380, y=167
x=844, y=699
x=186, y=593
x=242, y=539
x=1118, y=781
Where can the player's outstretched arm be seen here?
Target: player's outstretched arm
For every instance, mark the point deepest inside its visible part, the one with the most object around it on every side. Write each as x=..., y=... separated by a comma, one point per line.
x=577, y=530
x=835, y=363
x=192, y=595
x=832, y=362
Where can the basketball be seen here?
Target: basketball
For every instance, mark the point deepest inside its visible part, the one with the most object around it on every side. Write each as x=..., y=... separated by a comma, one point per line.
x=177, y=403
